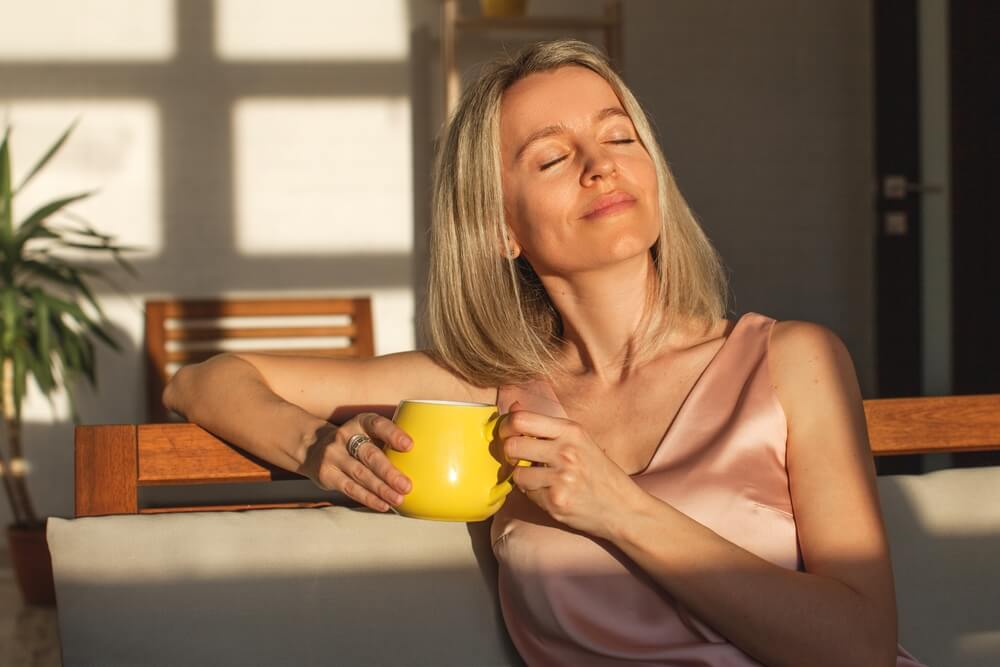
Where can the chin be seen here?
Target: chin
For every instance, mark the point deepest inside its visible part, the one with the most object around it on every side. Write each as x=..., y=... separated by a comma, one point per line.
x=626, y=246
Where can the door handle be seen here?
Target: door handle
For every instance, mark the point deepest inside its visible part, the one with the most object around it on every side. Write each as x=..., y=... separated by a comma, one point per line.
x=897, y=186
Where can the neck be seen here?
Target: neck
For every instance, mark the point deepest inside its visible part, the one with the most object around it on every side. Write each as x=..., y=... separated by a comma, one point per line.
x=601, y=312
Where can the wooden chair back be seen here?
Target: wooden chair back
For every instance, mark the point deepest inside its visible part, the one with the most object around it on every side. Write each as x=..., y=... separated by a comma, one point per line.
x=180, y=332
x=114, y=461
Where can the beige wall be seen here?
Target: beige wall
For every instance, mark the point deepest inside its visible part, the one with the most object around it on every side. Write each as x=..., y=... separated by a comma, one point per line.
x=283, y=147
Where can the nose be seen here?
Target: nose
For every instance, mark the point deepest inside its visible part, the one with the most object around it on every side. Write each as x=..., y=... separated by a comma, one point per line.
x=598, y=164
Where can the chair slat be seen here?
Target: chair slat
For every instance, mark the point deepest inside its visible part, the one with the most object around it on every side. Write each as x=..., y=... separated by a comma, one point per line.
x=258, y=307
x=222, y=333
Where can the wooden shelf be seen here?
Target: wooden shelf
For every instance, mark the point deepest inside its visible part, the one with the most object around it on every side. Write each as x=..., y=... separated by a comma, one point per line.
x=610, y=25
x=533, y=23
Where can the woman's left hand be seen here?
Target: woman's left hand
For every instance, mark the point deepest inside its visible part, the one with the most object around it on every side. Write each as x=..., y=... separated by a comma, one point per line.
x=578, y=485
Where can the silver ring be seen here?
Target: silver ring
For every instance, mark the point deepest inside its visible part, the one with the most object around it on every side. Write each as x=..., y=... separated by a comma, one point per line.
x=354, y=444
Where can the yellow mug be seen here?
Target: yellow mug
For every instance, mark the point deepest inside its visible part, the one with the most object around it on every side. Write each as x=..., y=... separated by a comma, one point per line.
x=456, y=465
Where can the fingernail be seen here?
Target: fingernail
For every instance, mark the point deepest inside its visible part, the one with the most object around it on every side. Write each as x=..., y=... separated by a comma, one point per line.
x=396, y=499
x=383, y=507
x=403, y=485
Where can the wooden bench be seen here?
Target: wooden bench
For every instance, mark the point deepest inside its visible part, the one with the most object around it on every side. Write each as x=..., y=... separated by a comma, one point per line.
x=113, y=462
x=162, y=586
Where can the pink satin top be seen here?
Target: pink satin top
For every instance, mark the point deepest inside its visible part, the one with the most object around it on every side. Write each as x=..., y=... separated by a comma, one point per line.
x=570, y=599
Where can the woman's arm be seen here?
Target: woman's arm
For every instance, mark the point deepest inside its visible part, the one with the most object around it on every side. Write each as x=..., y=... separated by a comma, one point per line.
x=841, y=611
x=281, y=408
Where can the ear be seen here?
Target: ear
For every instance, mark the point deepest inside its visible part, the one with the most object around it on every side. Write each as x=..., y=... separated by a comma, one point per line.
x=509, y=247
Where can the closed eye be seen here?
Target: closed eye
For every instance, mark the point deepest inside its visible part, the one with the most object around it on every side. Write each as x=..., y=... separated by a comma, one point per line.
x=552, y=163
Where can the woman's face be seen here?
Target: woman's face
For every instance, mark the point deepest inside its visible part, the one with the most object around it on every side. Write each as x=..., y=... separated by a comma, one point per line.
x=579, y=188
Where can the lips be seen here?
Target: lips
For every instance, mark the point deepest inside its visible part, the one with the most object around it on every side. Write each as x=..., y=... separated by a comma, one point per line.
x=609, y=203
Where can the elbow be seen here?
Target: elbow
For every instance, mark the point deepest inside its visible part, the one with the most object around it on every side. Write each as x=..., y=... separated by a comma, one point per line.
x=174, y=392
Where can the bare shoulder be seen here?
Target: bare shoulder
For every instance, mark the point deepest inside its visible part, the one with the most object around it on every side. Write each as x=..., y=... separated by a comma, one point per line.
x=811, y=371
x=796, y=344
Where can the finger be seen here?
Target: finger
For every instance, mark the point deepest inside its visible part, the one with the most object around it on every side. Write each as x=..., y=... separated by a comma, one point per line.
x=533, y=479
x=376, y=462
x=526, y=448
x=362, y=474
x=386, y=431
x=355, y=490
x=525, y=422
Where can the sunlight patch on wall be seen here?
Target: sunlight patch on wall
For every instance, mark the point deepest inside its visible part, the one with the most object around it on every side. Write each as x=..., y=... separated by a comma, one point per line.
x=114, y=151
x=328, y=176
x=311, y=30
x=103, y=30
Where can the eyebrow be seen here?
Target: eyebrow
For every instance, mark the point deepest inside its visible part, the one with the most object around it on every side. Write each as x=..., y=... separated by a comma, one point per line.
x=551, y=130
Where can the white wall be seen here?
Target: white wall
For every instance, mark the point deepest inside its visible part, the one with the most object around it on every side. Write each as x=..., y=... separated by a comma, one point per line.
x=251, y=148
x=274, y=147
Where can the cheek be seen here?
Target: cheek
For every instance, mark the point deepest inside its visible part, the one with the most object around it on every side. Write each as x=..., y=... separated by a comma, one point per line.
x=646, y=176
x=538, y=210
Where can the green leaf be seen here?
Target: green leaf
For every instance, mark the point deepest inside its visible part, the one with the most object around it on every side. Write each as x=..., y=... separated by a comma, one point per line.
x=85, y=321
x=48, y=156
x=105, y=337
x=42, y=325
x=52, y=272
x=69, y=352
x=85, y=290
x=42, y=232
x=38, y=217
x=10, y=316
x=41, y=369
x=6, y=196
x=124, y=263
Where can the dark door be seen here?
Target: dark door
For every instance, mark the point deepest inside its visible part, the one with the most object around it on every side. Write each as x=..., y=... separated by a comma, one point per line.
x=970, y=30
x=898, y=331
x=975, y=165
x=898, y=232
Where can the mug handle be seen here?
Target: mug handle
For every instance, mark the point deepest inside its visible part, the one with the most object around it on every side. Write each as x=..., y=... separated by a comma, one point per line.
x=504, y=486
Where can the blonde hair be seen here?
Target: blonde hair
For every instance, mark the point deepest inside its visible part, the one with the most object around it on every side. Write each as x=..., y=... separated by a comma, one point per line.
x=487, y=317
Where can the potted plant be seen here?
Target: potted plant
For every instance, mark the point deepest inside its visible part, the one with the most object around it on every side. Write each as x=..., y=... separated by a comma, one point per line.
x=49, y=322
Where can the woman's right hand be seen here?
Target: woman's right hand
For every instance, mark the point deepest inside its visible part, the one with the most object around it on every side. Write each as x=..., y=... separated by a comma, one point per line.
x=370, y=479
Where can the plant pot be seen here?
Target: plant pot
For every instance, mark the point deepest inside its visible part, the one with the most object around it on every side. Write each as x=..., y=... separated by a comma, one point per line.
x=29, y=553
x=500, y=8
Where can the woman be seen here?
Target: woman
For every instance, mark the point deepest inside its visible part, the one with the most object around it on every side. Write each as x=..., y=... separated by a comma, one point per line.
x=703, y=492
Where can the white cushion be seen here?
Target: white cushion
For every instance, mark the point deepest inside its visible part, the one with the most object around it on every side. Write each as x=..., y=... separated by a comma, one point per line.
x=944, y=532
x=276, y=587
x=347, y=586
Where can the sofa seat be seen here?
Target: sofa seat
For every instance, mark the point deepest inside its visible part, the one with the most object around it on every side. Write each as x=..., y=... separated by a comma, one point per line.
x=351, y=587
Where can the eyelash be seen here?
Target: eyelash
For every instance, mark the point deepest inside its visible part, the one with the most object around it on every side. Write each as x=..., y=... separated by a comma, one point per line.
x=558, y=160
